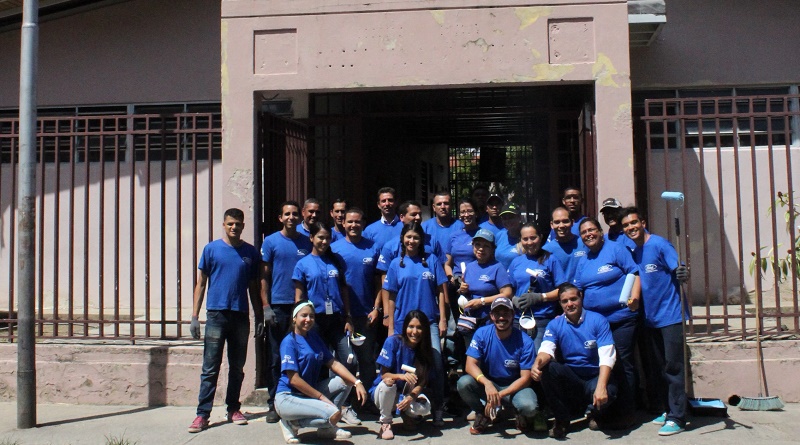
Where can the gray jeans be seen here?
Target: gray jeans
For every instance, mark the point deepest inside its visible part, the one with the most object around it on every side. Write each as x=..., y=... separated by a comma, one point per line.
x=306, y=412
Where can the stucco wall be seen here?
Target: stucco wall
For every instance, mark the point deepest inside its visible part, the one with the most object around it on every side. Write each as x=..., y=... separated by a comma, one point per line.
x=708, y=42
x=140, y=51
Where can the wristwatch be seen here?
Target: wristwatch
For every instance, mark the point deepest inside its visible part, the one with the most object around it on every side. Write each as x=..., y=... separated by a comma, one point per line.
x=483, y=301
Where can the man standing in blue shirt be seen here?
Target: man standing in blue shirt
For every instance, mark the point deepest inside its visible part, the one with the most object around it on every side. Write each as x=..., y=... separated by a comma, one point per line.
x=581, y=382
x=280, y=252
x=230, y=267
x=311, y=214
x=494, y=223
x=611, y=210
x=499, y=359
x=660, y=274
x=388, y=225
x=567, y=247
x=338, y=208
x=572, y=200
x=442, y=225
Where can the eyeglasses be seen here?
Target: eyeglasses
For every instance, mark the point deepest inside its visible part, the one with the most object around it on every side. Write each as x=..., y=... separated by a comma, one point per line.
x=466, y=212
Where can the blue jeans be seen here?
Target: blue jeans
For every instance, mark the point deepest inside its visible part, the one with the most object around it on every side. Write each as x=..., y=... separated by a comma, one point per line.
x=283, y=315
x=624, y=334
x=537, y=333
x=439, y=381
x=472, y=393
x=666, y=369
x=569, y=393
x=306, y=412
x=233, y=328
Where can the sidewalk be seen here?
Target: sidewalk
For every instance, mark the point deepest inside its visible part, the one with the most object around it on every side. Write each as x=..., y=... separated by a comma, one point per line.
x=88, y=424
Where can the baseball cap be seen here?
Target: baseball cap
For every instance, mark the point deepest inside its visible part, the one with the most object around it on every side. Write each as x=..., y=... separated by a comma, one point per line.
x=502, y=301
x=484, y=234
x=611, y=203
x=509, y=208
x=495, y=198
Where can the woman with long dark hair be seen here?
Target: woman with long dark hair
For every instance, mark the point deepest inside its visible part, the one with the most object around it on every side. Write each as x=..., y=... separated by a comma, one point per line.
x=304, y=398
x=400, y=353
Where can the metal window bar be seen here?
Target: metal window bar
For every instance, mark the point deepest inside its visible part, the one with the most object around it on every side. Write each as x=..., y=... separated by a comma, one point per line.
x=743, y=132
x=86, y=240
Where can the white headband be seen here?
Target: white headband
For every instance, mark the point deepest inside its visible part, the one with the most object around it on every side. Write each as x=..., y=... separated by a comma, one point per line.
x=301, y=306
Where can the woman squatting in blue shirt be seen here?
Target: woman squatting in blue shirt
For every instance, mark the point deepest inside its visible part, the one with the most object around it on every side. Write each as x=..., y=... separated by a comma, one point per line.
x=303, y=397
x=415, y=280
x=400, y=353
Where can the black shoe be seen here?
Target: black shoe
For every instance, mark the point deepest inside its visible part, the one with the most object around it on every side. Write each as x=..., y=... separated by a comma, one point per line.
x=272, y=415
x=559, y=430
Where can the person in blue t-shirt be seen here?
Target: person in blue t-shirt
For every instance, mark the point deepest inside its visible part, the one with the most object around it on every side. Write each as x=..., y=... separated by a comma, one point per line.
x=507, y=239
x=494, y=223
x=358, y=258
x=338, y=209
x=484, y=279
x=305, y=397
x=580, y=381
x=388, y=226
x=280, y=252
x=230, y=268
x=311, y=214
x=408, y=212
x=442, y=225
x=611, y=216
x=601, y=276
x=499, y=359
x=412, y=348
x=415, y=280
x=567, y=246
x=536, y=275
x=318, y=278
x=572, y=201
x=459, y=247
x=479, y=196
x=661, y=273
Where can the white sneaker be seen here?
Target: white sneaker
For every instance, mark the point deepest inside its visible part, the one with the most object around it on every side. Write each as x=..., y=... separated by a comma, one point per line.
x=349, y=416
x=333, y=433
x=471, y=416
x=289, y=430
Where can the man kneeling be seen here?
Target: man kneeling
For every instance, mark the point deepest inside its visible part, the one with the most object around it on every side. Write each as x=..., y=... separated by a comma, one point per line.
x=498, y=365
x=581, y=382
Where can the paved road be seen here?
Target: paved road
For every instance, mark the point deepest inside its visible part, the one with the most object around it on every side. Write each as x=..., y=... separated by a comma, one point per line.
x=87, y=424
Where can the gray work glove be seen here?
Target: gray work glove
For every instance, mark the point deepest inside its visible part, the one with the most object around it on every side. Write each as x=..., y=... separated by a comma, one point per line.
x=682, y=273
x=526, y=300
x=194, y=328
x=269, y=316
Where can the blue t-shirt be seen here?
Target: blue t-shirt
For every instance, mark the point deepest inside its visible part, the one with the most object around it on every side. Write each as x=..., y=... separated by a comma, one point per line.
x=601, y=277
x=229, y=270
x=460, y=248
x=546, y=277
x=660, y=289
x=485, y=280
x=358, y=261
x=301, y=229
x=575, y=229
x=506, y=249
x=391, y=250
x=381, y=233
x=336, y=235
x=439, y=236
x=502, y=360
x=622, y=239
x=578, y=344
x=321, y=277
x=491, y=227
x=282, y=254
x=415, y=286
x=568, y=254
x=393, y=355
x=305, y=355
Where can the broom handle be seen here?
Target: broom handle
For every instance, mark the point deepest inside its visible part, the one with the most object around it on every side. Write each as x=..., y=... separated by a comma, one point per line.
x=762, y=380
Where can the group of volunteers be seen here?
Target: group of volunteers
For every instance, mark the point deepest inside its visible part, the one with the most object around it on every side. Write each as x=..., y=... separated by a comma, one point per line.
x=533, y=324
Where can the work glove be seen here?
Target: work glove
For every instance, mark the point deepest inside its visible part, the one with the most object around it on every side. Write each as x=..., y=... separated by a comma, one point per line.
x=194, y=328
x=682, y=273
x=526, y=300
x=269, y=316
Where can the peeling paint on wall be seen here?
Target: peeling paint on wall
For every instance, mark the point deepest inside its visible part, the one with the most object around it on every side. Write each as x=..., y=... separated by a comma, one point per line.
x=478, y=42
x=528, y=16
x=390, y=44
x=603, y=71
x=536, y=54
x=622, y=118
x=545, y=71
x=438, y=16
x=240, y=185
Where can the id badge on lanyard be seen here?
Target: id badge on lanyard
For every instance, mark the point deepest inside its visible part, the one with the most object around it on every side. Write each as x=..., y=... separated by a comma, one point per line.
x=328, y=306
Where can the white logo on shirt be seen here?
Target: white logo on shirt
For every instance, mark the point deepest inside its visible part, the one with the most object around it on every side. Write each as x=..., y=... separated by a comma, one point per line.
x=367, y=260
x=427, y=275
x=381, y=259
x=538, y=273
x=333, y=273
x=473, y=344
x=287, y=359
x=384, y=354
x=605, y=268
x=302, y=252
x=484, y=278
x=579, y=253
x=247, y=260
x=590, y=344
x=510, y=363
x=650, y=268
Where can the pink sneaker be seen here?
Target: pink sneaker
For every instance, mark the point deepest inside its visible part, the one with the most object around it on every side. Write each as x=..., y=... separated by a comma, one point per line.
x=237, y=417
x=200, y=423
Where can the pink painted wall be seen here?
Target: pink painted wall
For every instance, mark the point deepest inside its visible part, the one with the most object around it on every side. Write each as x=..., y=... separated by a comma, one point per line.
x=312, y=45
x=706, y=43
x=141, y=51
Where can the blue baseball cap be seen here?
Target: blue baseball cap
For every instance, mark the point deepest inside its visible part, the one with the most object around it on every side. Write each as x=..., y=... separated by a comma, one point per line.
x=484, y=234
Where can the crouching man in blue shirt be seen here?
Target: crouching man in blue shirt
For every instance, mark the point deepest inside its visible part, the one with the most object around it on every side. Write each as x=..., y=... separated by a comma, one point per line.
x=581, y=381
x=499, y=359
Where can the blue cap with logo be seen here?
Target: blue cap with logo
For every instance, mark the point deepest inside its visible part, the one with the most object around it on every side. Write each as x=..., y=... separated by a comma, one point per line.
x=484, y=234
x=502, y=301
